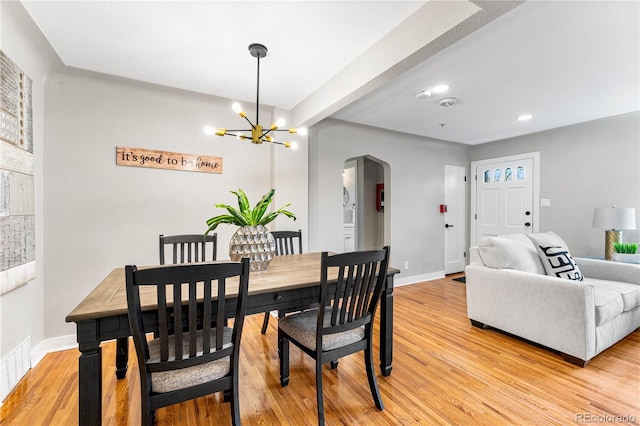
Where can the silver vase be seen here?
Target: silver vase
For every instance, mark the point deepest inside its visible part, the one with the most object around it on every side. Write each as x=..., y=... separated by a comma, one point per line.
x=254, y=242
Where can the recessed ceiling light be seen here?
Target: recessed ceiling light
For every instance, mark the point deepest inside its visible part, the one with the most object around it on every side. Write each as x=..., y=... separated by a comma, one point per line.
x=426, y=93
x=525, y=117
x=440, y=88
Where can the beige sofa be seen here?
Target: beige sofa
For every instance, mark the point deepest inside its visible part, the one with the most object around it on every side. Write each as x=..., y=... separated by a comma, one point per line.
x=509, y=289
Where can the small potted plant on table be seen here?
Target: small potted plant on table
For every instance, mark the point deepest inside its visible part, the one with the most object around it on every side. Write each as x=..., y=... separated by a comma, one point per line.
x=626, y=252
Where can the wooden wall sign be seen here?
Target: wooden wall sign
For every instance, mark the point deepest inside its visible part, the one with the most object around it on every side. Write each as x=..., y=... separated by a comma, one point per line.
x=140, y=157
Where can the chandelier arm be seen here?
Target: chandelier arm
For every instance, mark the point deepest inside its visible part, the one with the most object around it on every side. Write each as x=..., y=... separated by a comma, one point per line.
x=238, y=130
x=252, y=125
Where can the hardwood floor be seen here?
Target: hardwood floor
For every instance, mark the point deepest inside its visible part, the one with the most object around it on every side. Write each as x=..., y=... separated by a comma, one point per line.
x=444, y=372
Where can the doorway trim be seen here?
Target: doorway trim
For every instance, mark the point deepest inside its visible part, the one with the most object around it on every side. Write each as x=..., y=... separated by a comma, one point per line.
x=476, y=165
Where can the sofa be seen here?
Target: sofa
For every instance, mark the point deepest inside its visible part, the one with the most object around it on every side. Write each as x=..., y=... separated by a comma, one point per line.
x=530, y=286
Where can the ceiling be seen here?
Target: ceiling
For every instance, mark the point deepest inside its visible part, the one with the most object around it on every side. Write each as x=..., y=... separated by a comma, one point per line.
x=363, y=61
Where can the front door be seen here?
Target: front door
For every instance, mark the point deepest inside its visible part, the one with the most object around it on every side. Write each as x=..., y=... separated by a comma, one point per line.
x=504, y=196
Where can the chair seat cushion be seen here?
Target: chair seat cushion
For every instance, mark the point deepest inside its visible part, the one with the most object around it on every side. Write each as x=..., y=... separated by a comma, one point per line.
x=167, y=381
x=302, y=328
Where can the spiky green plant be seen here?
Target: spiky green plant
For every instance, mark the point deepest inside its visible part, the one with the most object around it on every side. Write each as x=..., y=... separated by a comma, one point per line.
x=244, y=215
x=626, y=248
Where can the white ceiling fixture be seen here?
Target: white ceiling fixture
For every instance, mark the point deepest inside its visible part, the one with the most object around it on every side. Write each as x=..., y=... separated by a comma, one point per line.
x=427, y=93
x=447, y=102
x=524, y=117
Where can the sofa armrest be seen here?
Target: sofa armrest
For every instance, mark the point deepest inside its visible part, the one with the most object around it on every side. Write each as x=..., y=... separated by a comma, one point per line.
x=609, y=270
x=553, y=312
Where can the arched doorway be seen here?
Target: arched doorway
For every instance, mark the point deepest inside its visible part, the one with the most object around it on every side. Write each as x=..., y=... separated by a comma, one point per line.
x=364, y=209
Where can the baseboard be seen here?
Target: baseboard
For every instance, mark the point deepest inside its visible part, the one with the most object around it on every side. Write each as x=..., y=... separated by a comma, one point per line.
x=15, y=365
x=54, y=344
x=414, y=279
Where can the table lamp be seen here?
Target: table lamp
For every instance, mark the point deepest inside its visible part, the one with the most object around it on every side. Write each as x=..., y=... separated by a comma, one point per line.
x=613, y=219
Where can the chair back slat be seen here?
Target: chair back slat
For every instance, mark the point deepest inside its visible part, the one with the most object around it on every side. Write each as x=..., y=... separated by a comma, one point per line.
x=206, y=325
x=189, y=248
x=360, y=279
x=287, y=242
x=163, y=321
x=220, y=313
x=177, y=321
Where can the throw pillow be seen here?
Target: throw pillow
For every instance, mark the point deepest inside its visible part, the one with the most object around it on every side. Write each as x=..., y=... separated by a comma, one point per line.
x=510, y=252
x=555, y=256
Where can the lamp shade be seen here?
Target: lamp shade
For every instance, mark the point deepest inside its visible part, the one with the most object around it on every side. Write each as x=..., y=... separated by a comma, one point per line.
x=614, y=218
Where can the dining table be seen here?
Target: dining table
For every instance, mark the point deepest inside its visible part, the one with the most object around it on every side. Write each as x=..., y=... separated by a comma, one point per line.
x=290, y=282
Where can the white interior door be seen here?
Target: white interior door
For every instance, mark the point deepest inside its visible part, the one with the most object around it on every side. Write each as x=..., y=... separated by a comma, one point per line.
x=454, y=219
x=504, y=196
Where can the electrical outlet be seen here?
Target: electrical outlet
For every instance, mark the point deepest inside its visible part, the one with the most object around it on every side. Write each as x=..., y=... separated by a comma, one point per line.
x=406, y=265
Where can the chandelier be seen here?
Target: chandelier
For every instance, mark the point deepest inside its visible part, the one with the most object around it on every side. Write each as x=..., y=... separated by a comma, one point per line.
x=258, y=133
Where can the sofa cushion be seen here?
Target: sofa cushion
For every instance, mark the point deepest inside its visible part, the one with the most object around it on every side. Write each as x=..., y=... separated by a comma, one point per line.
x=630, y=292
x=510, y=252
x=609, y=304
x=555, y=256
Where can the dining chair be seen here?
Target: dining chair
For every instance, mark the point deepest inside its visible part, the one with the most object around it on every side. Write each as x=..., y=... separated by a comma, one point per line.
x=189, y=248
x=189, y=358
x=342, y=323
x=286, y=243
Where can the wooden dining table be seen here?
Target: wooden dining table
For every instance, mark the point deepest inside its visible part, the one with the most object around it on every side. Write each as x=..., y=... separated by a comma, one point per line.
x=290, y=282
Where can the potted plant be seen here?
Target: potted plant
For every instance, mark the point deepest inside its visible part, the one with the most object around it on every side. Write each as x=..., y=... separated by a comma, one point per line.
x=626, y=252
x=252, y=239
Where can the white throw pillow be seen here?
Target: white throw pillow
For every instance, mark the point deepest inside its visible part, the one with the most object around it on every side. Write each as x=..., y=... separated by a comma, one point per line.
x=555, y=256
x=514, y=251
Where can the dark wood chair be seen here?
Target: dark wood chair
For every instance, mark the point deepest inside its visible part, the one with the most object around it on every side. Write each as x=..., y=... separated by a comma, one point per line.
x=287, y=242
x=342, y=323
x=189, y=358
x=189, y=248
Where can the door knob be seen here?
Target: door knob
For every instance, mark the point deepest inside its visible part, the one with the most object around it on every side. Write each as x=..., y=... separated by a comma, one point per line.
x=527, y=224
x=448, y=226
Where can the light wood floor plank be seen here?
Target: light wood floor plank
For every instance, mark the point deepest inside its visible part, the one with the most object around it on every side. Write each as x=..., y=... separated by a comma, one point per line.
x=444, y=372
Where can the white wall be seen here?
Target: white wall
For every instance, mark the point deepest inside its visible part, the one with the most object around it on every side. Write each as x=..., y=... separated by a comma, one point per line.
x=100, y=216
x=21, y=309
x=588, y=165
x=414, y=187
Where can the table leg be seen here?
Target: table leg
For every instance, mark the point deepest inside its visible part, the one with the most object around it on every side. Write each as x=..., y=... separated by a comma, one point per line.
x=386, y=328
x=90, y=385
x=122, y=357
